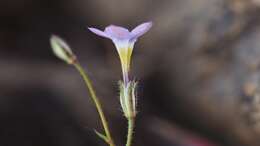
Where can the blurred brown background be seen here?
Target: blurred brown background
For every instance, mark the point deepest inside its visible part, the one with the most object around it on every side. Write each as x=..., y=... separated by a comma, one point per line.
x=198, y=69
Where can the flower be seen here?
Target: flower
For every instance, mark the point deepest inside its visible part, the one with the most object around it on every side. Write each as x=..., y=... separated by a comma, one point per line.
x=124, y=41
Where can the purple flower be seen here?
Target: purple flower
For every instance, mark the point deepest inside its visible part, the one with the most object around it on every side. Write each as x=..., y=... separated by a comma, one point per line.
x=124, y=41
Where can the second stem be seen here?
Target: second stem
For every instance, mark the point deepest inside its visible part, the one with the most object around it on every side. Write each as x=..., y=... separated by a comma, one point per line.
x=96, y=102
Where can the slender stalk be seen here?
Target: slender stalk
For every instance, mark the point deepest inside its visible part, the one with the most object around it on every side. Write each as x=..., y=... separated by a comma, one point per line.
x=131, y=124
x=96, y=102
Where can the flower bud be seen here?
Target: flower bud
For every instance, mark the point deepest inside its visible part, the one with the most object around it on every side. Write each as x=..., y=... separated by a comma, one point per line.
x=62, y=50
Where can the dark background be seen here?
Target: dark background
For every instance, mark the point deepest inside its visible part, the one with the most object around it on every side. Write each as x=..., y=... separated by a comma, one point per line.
x=198, y=72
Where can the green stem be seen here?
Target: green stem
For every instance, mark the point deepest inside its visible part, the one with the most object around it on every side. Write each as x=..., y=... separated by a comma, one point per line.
x=131, y=124
x=96, y=102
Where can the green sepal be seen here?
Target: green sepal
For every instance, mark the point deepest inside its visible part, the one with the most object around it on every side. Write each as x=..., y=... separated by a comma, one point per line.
x=128, y=101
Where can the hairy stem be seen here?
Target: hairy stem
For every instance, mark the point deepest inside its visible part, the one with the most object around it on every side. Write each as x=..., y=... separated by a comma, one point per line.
x=131, y=124
x=96, y=102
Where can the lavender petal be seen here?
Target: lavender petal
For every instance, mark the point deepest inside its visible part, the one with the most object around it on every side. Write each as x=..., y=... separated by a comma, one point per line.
x=118, y=32
x=99, y=32
x=141, y=29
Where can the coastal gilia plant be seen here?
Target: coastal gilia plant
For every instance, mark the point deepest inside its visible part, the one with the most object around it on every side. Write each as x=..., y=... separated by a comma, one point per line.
x=124, y=41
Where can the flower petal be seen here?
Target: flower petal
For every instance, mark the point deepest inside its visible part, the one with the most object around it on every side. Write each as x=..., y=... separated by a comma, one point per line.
x=98, y=32
x=117, y=32
x=141, y=29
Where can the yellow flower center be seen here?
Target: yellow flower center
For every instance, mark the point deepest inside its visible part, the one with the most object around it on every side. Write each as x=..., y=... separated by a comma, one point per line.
x=125, y=58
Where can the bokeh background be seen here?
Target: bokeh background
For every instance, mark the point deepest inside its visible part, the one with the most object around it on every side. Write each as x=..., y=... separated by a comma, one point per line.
x=198, y=70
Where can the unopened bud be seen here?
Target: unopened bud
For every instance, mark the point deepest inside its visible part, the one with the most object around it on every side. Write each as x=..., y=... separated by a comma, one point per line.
x=62, y=50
